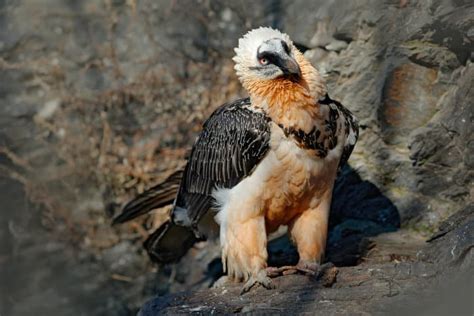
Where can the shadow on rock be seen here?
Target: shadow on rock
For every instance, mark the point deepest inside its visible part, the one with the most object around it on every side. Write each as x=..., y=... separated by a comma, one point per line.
x=359, y=209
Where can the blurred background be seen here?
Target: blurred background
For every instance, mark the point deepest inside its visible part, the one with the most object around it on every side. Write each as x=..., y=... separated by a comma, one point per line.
x=101, y=99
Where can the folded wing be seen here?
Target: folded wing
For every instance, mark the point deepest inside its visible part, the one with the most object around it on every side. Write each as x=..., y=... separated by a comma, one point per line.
x=233, y=141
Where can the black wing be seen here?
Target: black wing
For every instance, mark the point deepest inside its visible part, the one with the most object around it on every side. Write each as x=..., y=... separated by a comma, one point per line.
x=350, y=126
x=160, y=195
x=233, y=141
x=351, y=129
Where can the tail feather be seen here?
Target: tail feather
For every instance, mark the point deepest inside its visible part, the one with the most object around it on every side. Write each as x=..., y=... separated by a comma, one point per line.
x=158, y=196
x=169, y=242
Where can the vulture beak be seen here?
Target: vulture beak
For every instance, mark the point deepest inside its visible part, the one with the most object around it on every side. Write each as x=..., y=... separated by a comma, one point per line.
x=276, y=52
x=289, y=66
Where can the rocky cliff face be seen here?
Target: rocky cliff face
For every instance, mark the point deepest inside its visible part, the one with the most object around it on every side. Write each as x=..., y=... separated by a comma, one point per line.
x=101, y=99
x=404, y=68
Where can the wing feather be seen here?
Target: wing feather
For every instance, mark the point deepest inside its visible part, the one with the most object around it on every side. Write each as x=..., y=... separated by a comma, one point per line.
x=158, y=196
x=350, y=127
x=233, y=141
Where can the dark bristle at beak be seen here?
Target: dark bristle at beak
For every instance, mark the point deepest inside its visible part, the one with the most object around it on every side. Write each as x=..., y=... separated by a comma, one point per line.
x=290, y=67
x=293, y=77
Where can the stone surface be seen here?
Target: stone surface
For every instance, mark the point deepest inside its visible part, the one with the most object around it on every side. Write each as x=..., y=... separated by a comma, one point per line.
x=101, y=99
x=410, y=278
x=406, y=74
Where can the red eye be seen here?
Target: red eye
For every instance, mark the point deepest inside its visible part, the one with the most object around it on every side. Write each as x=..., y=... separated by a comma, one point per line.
x=263, y=61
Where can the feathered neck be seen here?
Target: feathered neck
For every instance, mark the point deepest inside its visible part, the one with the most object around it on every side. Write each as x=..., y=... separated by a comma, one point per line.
x=292, y=104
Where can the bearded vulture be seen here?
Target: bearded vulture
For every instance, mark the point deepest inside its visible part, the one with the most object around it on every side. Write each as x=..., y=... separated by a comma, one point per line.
x=261, y=162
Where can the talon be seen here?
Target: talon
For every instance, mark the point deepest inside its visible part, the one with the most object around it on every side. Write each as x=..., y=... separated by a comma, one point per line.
x=309, y=268
x=261, y=279
x=289, y=271
x=325, y=266
x=272, y=272
x=306, y=271
x=285, y=270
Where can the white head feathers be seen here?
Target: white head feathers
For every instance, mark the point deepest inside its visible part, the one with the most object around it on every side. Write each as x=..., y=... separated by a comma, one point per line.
x=246, y=52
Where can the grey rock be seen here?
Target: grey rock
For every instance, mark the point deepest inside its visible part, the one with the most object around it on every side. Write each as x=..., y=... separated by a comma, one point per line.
x=407, y=280
x=134, y=80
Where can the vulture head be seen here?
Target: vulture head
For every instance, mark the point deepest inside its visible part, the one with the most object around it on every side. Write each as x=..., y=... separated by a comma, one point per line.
x=266, y=54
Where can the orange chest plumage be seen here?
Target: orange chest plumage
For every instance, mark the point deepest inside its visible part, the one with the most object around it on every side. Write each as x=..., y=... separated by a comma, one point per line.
x=299, y=179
